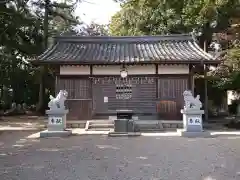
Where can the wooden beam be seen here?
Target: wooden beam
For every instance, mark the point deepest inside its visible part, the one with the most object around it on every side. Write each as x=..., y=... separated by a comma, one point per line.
x=56, y=84
x=206, y=93
x=193, y=84
x=156, y=80
x=205, y=87
x=91, y=87
x=190, y=77
x=91, y=70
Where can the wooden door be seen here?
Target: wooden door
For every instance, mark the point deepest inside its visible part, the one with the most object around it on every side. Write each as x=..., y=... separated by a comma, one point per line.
x=79, y=100
x=170, y=97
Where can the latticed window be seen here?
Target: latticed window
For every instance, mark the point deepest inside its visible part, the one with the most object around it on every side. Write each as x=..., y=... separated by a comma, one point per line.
x=124, y=91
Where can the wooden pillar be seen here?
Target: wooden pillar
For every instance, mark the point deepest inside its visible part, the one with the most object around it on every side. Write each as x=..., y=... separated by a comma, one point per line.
x=156, y=79
x=57, y=76
x=91, y=86
x=205, y=87
x=193, y=84
x=206, y=93
x=190, y=78
x=56, y=84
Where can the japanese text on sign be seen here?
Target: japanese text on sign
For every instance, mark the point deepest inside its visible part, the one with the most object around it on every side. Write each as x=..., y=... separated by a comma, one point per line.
x=194, y=121
x=55, y=120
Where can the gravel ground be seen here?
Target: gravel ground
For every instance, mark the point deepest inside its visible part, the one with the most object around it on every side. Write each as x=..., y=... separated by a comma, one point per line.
x=105, y=158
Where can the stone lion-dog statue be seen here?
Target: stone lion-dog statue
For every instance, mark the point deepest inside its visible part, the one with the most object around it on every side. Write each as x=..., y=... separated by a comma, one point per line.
x=58, y=101
x=191, y=102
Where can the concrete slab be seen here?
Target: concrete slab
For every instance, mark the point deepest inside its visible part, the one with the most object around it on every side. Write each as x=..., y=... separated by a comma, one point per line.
x=80, y=131
x=169, y=134
x=178, y=133
x=225, y=133
x=129, y=134
x=34, y=136
x=45, y=134
x=188, y=134
x=10, y=128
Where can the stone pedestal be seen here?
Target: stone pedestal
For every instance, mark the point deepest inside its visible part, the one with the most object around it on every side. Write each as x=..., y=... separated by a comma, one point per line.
x=192, y=120
x=192, y=123
x=56, y=124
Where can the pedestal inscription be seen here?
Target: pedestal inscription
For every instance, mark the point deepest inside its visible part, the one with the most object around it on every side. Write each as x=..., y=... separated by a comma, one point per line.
x=55, y=120
x=194, y=120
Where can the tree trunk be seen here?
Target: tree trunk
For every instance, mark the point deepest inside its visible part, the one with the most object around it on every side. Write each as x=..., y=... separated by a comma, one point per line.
x=40, y=104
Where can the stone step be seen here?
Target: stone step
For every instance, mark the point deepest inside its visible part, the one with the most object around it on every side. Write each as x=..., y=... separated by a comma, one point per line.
x=101, y=122
x=99, y=129
x=101, y=126
x=76, y=124
x=150, y=130
x=157, y=126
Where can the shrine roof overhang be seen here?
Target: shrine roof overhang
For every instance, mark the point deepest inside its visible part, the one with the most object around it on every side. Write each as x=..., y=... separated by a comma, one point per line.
x=104, y=50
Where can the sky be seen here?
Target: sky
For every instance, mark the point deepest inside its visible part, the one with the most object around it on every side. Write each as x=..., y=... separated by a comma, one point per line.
x=98, y=11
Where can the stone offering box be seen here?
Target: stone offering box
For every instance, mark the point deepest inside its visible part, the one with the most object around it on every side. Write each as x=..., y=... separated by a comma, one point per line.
x=124, y=122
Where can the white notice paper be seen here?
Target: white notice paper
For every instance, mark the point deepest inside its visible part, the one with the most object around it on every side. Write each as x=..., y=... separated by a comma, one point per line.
x=105, y=99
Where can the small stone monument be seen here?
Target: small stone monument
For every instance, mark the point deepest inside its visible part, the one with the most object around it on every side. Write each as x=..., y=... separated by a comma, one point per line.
x=57, y=116
x=192, y=116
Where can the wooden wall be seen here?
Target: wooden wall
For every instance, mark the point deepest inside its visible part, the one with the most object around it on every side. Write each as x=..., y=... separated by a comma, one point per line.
x=143, y=97
x=161, y=95
x=79, y=100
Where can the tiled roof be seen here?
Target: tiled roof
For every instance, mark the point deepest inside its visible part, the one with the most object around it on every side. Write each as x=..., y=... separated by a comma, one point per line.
x=130, y=49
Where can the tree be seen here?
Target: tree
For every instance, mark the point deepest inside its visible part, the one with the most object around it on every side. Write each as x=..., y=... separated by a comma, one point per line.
x=227, y=75
x=138, y=17
x=57, y=17
x=19, y=27
x=21, y=39
x=93, y=30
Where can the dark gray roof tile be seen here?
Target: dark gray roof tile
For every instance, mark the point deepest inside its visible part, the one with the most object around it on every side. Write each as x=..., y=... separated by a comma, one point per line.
x=110, y=50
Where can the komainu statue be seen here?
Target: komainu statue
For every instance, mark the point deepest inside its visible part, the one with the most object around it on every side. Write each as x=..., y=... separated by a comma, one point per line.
x=191, y=102
x=58, y=101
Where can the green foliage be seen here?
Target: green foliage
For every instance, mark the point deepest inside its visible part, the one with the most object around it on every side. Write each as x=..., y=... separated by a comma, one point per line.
x=22, y=39
x=93, y=30
x=147, y=17
x=233, y=58
x=227, y=75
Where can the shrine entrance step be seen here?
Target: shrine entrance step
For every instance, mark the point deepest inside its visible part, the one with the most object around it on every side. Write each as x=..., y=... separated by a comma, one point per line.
x=157, y=125
x=99, y=125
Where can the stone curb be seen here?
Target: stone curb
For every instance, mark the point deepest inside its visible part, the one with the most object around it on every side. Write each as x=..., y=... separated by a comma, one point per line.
x=82, y=132
x=132, y=134
x=20, y=129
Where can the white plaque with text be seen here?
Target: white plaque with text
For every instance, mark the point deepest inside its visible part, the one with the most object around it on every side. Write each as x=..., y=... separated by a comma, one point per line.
x=194, y=121
x=55, y=120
